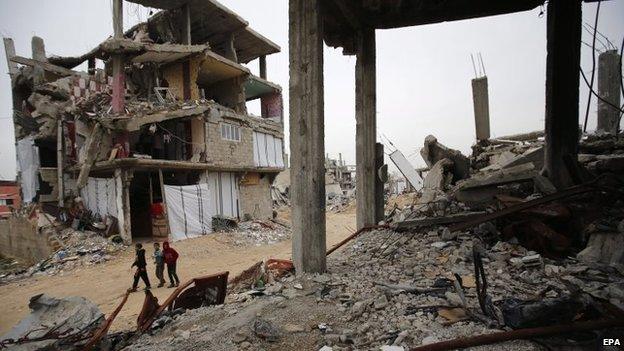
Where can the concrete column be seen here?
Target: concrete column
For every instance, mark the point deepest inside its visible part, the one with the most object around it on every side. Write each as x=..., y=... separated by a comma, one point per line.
x=366, y=128
x=186, y=24
x=38, y=49
x=381, y=176
x=119, y=76
x=123, y=180
x=481, y=102
x=9, y=50
x=60, y=163
x=609, y=90
x=307, y=132
x=562, y=89
x=230, y=48
x=263, y=67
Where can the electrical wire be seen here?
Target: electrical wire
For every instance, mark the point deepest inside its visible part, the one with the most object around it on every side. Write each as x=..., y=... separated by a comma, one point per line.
x=177, y=137
x=589, y=46
x=604, y=36
x=591, y=85
x=591, y=32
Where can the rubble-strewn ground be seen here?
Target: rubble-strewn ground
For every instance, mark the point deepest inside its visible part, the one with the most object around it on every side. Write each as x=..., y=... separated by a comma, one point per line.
x=257, y=233
x=349, y=309
x=105, y=283
x=81, y=249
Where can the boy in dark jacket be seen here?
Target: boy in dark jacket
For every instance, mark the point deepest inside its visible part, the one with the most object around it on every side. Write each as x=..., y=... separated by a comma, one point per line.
x=159, y=261
x=141, y=266
x=171, y=257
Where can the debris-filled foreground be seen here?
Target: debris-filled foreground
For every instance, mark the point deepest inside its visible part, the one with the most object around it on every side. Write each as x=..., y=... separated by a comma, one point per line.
x=515, y=261
x=421, y=289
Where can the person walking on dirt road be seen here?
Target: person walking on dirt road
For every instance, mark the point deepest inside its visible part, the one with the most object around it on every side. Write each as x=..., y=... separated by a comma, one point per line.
x=159, y=261
x=171, y=257
x=141, y=266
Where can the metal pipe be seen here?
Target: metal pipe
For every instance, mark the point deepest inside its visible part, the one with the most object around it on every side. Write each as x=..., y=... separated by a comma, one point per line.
x=529, y=333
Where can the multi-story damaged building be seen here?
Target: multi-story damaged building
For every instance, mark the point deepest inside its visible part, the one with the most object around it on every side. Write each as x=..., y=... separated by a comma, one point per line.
x=157, y=127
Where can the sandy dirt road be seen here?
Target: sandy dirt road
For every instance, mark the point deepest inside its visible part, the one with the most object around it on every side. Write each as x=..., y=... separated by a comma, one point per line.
x=105, y=284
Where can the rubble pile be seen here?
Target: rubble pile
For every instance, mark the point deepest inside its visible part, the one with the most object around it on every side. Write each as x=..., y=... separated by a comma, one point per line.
x=340, y=203
x=391, y=290
x=258, y=233
x=80, y=248
x=54, y=324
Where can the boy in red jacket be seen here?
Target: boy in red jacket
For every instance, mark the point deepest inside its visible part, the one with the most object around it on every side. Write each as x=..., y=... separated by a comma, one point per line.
x=171, y=256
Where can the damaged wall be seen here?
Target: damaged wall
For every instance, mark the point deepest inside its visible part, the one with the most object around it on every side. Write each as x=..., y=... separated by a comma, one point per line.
x=175, y=73
x=255, y=196
x=229, y=93
x=222, y=152
x=19, y=238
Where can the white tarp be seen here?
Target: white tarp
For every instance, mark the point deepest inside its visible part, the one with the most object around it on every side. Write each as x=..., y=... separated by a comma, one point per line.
x=268, y=150
x=406, y=168
x=28, y=166
x=189, y=210
x=100, y=196
x=224, y=198
x=279, y=154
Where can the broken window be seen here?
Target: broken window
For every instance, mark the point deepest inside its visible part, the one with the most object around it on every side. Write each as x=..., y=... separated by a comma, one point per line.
x=47, y=152
x=230, y=132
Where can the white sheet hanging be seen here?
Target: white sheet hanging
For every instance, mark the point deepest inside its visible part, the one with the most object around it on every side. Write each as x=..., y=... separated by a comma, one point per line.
x=268, y=150
x=224, y=198
x=189, y=210
x=270, y=147
x=28, y=166
x=279, y=153
x=100, y=196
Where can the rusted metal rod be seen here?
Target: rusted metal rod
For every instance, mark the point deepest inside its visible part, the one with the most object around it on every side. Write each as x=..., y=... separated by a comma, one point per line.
x=104, y=329
x=529, y=333
x=575, y=190
x=354, y=235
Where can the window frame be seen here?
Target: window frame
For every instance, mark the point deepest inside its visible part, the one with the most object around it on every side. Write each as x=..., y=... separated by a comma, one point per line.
x=230, y=132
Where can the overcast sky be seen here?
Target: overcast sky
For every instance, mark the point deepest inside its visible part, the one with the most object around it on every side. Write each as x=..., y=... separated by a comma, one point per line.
x=423, y=73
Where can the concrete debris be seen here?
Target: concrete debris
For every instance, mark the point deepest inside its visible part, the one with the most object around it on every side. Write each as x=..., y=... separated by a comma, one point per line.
x=437, y=180
x=433, y=152
x=54, y=324
x=418, y=306
x=265, y=330
x=82, y=248
x=604, y=247
x=258, y=233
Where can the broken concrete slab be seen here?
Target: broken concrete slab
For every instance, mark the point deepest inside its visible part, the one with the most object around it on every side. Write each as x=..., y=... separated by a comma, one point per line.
x=607, y=163
x=55, y=320
x=544, y=185
x=478, y=189
x=534, y=156
x=433, y=152
x=604, y=248
x=436, y=180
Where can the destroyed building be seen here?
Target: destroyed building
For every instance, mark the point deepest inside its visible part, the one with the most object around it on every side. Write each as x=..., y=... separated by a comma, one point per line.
x=339, y=177
x=160, y=116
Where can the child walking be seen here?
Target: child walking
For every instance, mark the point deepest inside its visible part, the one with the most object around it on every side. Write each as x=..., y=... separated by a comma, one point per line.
x=141, y=265
x=171, y=257
x=159, y=261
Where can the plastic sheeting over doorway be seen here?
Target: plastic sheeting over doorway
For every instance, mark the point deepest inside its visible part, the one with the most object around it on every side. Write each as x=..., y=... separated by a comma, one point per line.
x=100, y=196
x=190, y=208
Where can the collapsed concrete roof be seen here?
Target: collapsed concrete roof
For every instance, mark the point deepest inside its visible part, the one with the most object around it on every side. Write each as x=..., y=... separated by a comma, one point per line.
x=212, y=23
x=211, y=26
